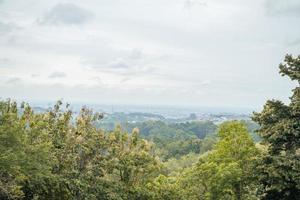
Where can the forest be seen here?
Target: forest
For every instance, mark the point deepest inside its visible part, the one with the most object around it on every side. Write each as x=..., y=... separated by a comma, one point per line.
x=58, y=155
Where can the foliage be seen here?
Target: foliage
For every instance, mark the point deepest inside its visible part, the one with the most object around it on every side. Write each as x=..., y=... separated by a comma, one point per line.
x=24, y=149
x=227, y=171
x=176, y=140
x=279, y=168
x=51, y=156
x=56, y=154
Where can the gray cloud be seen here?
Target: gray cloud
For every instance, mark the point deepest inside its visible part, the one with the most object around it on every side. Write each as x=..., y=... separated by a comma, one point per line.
x=13, y=80
x=126, y=79
x=205, y=82
x=294, y=42
x=282, y=7
x=200, y=52
x=66, y=14
x=129, y=67
x=5, y=28
x=127, y=62
x=4, y=61
x=57, y=75
x=188, y=4
x=136, y=54
x=119, y=65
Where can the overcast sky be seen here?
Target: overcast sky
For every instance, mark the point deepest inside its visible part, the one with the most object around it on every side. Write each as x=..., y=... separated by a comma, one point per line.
x=153, y=52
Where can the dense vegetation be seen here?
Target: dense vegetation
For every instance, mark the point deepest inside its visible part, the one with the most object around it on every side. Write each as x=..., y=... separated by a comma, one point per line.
x=173, y=140
x=55, y=155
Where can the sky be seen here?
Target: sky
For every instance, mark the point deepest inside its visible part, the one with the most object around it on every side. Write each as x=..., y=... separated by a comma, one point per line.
x=212, y=53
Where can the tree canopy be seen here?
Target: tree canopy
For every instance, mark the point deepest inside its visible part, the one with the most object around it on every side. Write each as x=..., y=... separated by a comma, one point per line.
x=279, y=168
x=59, y=154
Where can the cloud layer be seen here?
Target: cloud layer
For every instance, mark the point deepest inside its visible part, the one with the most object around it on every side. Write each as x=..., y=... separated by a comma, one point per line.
x=279, y=7
x=66, y=14
x=57, y=75
x=179, y=52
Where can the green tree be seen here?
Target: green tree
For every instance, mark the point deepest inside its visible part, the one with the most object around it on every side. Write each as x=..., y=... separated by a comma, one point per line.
x=279, y=168
x=163, y=188
x=24, y=150
x=51, y=155
x=227, y=171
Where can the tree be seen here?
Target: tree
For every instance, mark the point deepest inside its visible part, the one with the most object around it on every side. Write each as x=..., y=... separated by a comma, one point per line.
x=51, y=155
x=24, y=150
x=279, y=168
x=227, y=171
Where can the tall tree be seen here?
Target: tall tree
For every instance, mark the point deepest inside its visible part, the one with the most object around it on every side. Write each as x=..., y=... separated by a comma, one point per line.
x=227, y=171
x=24, y=150
x=279, y=168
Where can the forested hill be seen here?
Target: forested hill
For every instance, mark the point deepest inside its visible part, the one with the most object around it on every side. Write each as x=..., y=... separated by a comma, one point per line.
x=55, y=154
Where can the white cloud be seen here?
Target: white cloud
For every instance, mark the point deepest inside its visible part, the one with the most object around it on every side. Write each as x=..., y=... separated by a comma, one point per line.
x=13, y=80
x=188, y=4
x=214, y=54
x=66, y=14
x=280, y=7
x=57, y=75
x=4, y=28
